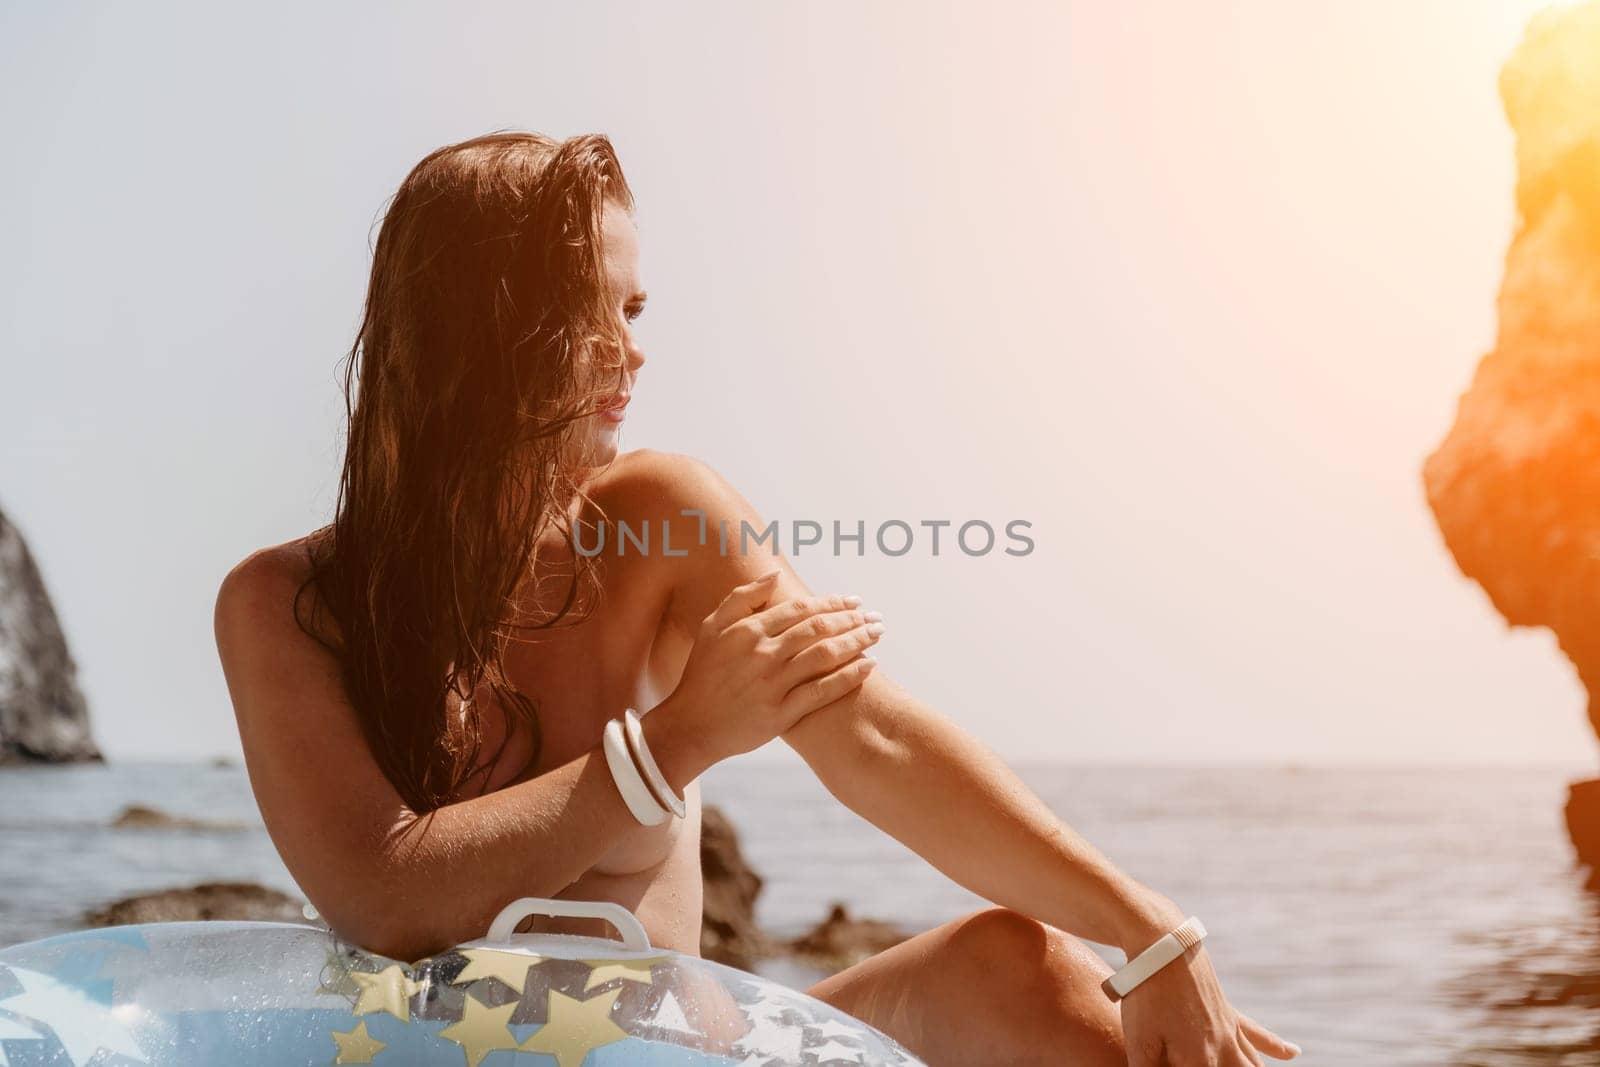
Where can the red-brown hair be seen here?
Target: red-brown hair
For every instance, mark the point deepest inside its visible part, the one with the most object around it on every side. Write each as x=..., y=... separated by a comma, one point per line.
x=487, y=335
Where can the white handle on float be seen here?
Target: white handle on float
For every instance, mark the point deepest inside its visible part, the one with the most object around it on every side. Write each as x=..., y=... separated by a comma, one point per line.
x=631, y=929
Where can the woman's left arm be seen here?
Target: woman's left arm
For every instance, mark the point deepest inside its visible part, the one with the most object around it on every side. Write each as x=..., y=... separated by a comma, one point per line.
x=942, y=792
x=931, y=785
x=936, y=788
x=886, y=755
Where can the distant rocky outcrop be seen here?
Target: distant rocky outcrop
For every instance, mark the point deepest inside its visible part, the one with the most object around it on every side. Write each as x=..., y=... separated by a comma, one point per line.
x=1515, y=485
x=208, y=900
x=139, y=817
x=43, y=716
x=841, y=940
x=1583, y=825
x=729, y=932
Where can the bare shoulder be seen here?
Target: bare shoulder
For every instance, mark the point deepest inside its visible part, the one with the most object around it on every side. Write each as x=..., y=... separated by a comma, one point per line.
x=257, y=597
x=705, y=560
x=683, y=502
x=648, y=483
x=270, y=568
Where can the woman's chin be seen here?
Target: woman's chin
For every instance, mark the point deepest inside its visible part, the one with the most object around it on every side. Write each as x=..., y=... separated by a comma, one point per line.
x=600, y=449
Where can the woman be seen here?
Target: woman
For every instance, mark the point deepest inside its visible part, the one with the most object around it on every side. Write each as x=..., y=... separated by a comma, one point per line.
x=422, y=685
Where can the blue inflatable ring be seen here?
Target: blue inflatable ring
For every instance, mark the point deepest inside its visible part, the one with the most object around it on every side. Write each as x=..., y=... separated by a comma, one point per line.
x=242, y=994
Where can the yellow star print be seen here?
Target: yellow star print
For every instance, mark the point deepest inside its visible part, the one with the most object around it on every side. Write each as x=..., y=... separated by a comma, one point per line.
x=575, y=1027
x=510, y=967
x=390, y=990
x=482, y=1029
x=356, y=1046
x=628, y=970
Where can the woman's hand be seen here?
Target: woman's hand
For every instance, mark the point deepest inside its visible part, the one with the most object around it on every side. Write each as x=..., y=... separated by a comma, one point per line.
x=1178, y=1017
x=755, y=670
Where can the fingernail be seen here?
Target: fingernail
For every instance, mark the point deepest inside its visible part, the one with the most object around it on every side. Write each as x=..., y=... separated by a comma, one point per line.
x=873, y=616
x=852, y=601
x=767, y=577
x=873, y=660
x=1293, y=1047
x=875, y=628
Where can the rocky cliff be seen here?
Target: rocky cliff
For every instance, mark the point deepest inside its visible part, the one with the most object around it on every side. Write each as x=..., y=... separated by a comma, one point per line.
x=43, y=716
x=1515, y=485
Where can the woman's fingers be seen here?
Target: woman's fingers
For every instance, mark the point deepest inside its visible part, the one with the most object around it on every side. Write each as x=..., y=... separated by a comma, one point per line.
x=780, y=618
x=829, y=653
x=807, y=632
x=743, y=601
x=807, y=697
x=1247, y=1050
x=1266, y=1040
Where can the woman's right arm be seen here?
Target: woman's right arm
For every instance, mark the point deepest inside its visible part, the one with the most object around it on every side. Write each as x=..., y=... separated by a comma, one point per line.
x=405, y=885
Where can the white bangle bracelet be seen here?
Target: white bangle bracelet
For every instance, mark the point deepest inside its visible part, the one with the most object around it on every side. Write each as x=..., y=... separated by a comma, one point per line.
x=1152, y=959
x=652, y=773
x=645, y=807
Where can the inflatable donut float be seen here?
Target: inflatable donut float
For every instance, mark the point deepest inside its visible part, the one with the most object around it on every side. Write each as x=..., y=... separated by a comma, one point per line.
x=243, y=994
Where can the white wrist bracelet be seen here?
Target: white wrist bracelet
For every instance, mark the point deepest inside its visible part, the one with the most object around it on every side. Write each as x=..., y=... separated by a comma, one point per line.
x=645, y=807
x=1152, y=959
x=652, y=773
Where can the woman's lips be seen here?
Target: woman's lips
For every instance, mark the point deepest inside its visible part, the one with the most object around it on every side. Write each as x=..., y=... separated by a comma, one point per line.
x=617, y=409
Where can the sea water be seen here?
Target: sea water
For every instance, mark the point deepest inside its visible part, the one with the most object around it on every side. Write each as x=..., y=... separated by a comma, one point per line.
x=1389, y=916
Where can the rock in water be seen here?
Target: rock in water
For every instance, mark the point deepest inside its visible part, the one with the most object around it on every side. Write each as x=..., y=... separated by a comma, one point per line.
x=1583, y=825
x=842, y=940
x=140, y=817
x=43, y=716
x=728, y=930
x=209, y=900
x=1515, y=486
x=730, y=934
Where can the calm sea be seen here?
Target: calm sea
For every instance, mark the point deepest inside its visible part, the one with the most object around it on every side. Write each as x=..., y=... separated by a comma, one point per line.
x=1386, y=917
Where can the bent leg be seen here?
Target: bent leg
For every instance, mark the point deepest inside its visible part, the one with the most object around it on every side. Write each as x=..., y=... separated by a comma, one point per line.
x=991, y=988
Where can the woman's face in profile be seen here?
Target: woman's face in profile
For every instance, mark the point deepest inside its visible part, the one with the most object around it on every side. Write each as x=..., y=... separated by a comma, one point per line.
x=620, y=252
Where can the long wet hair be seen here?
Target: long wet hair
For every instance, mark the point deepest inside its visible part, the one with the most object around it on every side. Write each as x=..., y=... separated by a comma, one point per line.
x=488, y=333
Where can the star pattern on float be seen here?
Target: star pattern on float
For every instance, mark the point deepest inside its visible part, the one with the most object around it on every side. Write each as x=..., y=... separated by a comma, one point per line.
x=509, y=967
x=482, y=1029
x=835, y=1028
x=833, y=1050
x=356, y=1046
x=575, y=1027
x=628, y=970
x=777, y=1040
x=12, y=1030
x=764, y=1014
x=81, y=1022
x=669, y=1016
x=390, y=990
x=769, y=1042
x=71, y=1009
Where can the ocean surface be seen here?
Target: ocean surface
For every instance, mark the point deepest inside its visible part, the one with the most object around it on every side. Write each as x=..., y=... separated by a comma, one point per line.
x=1385, y=917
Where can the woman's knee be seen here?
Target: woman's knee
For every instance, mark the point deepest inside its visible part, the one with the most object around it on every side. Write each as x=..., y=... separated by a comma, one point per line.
x=1001, y=939
x=1041, y=986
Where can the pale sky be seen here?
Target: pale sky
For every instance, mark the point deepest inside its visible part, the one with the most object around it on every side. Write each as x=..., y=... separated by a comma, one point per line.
x=1191, y=288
